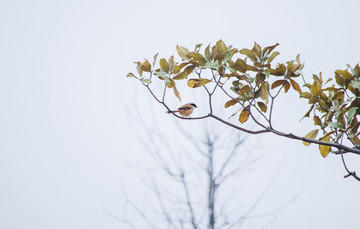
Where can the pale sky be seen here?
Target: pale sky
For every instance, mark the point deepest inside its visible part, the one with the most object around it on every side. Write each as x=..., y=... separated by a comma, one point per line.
x=66, y=135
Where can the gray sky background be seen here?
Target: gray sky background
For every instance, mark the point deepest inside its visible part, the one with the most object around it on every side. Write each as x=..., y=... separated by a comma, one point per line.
x=65, y=133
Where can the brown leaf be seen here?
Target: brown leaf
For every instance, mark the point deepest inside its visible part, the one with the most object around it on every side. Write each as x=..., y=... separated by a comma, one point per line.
x=277, y=83
x=240, y=65
x=272, y=57
x=244, y=89
x=287, y=86
x=296, y=86
x=262, y=106
x=317, y=120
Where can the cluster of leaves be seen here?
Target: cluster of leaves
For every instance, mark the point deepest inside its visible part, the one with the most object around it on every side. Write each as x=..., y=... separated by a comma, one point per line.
x=250, y=81
x=334, y=108
x=254, y=83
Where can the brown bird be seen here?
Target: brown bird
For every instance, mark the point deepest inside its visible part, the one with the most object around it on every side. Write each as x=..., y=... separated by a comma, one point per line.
x=185, y=110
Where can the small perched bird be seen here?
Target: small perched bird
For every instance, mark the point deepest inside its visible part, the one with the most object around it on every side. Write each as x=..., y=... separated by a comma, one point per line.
x=185, y=110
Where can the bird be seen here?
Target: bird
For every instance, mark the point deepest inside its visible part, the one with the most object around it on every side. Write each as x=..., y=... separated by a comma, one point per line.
x=185, y=110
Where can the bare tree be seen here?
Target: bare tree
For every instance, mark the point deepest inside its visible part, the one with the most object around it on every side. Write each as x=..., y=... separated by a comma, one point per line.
x=202, y=172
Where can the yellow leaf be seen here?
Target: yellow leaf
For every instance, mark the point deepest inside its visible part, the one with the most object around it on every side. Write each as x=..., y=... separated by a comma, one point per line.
x=312, y=134
x=262, y=106
x=231, y=103
x=194, y=83
x=305, y=95
x=244, y=115
x=324, y=149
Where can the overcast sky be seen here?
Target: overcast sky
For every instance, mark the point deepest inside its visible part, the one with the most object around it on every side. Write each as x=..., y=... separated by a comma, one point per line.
x=66, y=139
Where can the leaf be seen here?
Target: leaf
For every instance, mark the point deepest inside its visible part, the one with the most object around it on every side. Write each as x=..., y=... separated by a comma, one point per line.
x=308, y=113
x=317, y=120
x=296, y=86
x=180, y=76
x=131, y=75
x=155, y=57
x=207, y=53
x=146, y=81
x=244, y=89
x=171, y=64
x=240, y=65
x=312, y=135
x=305, y=95
x=325, y=149
x=146, y=66
x=272, y=56
x=278, y=83
x=262, y=106
x=197, y=57
x=179, y=67
x=244, y=115
x=164, y=65
x=194, y=83
x=264, y=91
x=231, y=102
x=269, y=49
x=176, y=92
x=334, y=124
x=287, y=86
x=256, y=49
x=249, y=53
x=345, y=74
x=182, y=51
x=351, y=114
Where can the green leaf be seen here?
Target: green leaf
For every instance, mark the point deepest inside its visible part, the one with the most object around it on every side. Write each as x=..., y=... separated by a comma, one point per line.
x=312, y=134
x=334, y=124
x=146, y=81
x=351, y=114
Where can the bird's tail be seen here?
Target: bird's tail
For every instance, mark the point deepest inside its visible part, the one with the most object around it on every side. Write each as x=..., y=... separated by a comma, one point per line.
x=171, y=112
